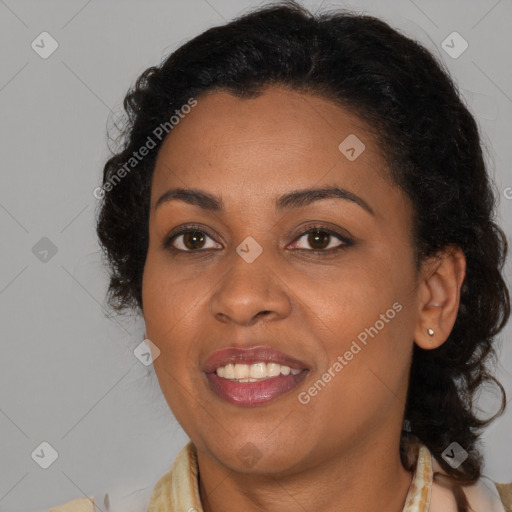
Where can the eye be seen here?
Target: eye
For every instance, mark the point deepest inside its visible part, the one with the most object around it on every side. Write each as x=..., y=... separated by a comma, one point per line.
x=322, y=239
x=190, y=239
x=196, y=239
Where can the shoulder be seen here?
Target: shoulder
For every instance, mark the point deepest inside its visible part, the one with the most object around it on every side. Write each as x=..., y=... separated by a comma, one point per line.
x=180, y=481
x=488, y=496
x=483, y=496
x=78, y=505
x=505, y=492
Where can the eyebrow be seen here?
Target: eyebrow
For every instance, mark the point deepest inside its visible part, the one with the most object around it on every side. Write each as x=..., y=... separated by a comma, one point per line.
x=288, y=201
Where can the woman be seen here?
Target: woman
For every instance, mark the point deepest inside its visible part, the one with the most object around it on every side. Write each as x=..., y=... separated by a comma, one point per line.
x=302, y=214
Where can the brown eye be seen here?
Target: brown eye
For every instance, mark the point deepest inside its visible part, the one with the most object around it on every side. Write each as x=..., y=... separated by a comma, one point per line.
x=190, y=240
x=319, y=239
x=193, y=240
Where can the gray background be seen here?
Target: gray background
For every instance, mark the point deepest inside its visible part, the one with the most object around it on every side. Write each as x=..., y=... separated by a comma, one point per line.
x=68, y=373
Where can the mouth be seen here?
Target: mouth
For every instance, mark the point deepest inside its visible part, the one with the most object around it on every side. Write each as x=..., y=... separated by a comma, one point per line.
x=254, y=376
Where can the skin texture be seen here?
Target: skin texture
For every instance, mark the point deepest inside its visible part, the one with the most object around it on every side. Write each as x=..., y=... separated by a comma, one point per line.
x=340, y=451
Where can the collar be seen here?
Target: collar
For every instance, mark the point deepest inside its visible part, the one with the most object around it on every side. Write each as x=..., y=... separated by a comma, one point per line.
x=178, y=488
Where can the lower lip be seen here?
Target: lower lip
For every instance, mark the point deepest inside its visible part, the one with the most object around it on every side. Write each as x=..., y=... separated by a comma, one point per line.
x=251, y=394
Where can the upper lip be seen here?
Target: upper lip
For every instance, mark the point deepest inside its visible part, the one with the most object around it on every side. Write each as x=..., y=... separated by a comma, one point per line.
x=233, y=355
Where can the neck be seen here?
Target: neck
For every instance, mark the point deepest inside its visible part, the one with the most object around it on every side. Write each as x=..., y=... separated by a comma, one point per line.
x=367, y=477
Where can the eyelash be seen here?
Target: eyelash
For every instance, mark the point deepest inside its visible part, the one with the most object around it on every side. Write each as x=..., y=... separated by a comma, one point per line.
x=346, y=242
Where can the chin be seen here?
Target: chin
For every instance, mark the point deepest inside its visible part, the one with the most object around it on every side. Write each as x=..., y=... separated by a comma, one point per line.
x=255, y=455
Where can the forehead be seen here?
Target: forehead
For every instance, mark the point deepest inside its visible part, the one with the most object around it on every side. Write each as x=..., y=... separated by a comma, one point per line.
x=279, y=140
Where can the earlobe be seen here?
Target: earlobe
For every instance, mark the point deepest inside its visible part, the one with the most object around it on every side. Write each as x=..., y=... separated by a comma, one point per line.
x=439, y=297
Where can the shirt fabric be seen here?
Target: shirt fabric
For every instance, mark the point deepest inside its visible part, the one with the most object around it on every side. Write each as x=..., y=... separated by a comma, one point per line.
x=177, y=490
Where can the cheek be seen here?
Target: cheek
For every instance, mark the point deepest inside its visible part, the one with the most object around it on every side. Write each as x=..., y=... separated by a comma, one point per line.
x=366, y=318
x=168, y=316
x=350, y=297
x=167, y=300
x=167, y=311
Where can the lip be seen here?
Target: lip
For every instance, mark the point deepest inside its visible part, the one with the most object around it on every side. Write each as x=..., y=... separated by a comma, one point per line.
x=252, y=394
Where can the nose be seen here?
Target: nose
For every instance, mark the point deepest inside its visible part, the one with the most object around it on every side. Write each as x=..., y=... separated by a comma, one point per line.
x=250, y=291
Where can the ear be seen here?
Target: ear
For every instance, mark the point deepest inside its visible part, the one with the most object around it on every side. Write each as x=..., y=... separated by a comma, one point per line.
x=442, y=276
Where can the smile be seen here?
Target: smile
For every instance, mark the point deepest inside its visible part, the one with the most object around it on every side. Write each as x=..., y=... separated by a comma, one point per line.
x=252, y=376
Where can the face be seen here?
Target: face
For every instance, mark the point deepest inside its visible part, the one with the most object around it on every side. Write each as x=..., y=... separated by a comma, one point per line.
x=257, y=270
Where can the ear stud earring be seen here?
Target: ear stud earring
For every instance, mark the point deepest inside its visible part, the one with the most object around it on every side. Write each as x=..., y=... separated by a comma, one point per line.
x=430, y=332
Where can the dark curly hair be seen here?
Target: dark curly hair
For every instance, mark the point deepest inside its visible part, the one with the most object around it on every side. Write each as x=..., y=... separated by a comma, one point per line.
x=433, y=150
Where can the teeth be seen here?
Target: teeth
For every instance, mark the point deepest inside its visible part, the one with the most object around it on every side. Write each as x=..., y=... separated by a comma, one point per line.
x=273, y=369
x=241, y=371
x=229, y=371
x=254, y=372
x=258, y=370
